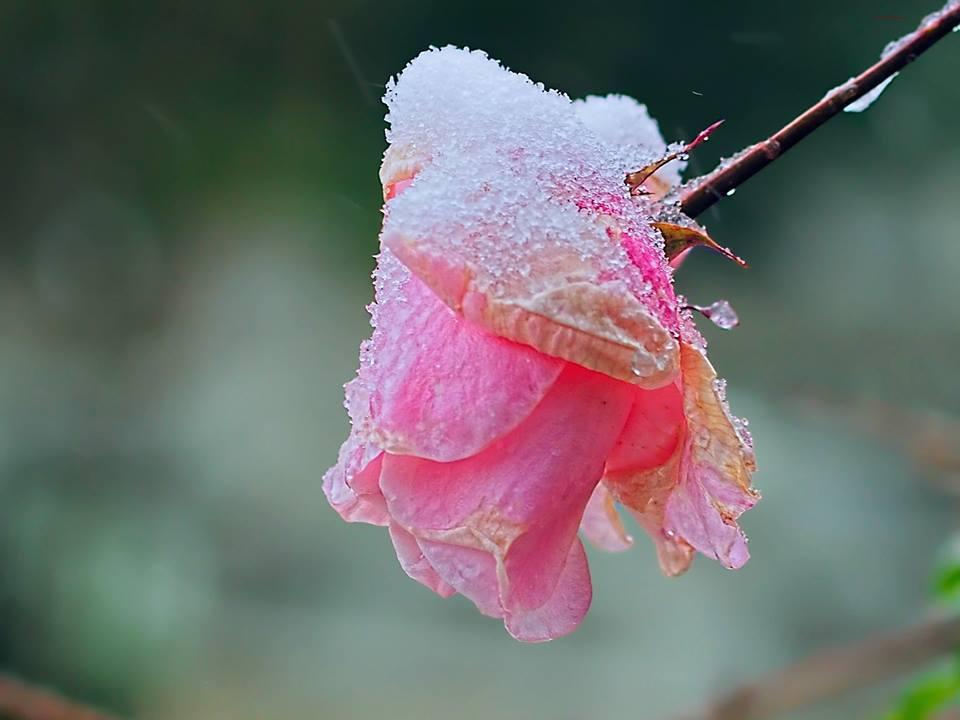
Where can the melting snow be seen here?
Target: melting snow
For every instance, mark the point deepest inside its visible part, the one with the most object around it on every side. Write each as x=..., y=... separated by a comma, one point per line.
x=516, y=179
x=862, y=103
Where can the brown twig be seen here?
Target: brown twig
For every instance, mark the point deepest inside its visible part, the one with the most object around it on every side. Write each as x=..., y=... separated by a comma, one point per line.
x=22, y=701
x=708, y=189
x=834, y=671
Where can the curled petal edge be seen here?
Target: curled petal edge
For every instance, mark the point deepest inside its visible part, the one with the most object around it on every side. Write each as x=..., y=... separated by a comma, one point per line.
x=601, y=327
x=693, y=500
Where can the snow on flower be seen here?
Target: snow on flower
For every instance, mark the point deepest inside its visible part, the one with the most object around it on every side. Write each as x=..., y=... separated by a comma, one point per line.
x=531, y=367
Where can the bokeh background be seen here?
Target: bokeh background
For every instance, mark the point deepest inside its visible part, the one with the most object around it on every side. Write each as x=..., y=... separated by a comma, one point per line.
x=189, y=206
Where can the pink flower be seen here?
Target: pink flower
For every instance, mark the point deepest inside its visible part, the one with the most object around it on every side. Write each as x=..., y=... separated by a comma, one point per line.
x=530, y=365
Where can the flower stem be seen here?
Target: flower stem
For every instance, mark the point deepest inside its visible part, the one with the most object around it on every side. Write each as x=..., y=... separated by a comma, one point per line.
x=22, y=701
x=833, y=671
x=703, y=192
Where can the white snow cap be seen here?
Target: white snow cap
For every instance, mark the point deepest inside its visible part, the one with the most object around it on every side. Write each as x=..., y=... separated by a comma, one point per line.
x=626, y=125
x=519, y=184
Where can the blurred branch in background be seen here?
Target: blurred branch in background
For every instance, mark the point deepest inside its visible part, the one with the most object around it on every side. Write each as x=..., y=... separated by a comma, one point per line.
x=22, y=701
x=931, y=439
x=707, y=190
x=834, y=671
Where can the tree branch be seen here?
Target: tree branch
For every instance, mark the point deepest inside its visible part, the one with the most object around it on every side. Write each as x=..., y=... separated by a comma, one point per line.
x=834, y=671
x=21, y=701
x=705, y=191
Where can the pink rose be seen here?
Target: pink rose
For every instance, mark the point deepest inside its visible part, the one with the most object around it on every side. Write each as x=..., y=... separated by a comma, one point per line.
x=530, y=365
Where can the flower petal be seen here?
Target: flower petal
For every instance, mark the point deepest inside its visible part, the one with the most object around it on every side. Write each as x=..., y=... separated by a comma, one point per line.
x=519, y=501
x=474, y=574
x=601, y=523
x=716, y=467
x=414, y=562
x=515, y=219
x=652, y=431
x=425, y=364
x=682, y=467
x=352, y=485
x=566, y=607
x=471, y=572
x=572, y=311
x=692, y=514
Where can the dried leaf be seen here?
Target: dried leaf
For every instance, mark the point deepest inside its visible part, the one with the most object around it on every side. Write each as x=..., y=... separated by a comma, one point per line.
x=637, y=178
x=677, y=238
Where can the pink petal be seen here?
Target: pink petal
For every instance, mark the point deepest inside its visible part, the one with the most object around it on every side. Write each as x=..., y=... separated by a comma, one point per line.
x=652, y=431
x=683, y=469
x=692, y=514
x=584, y=316
x=474, y=574
x=519, y=501
x=674, y=554
x=470, y=571
x=425, y=364
x=352, y=485
x=415, y=564
x=601, y=523
x=566, y=607
x=715, y=470
x=516, y=215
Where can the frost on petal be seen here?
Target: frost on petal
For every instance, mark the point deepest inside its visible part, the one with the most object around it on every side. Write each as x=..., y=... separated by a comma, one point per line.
x=627, y=127
x=352, y=485
x=643, y=468
x=601, y=523
x=425, y=365
x=715, y=469
x=498, y=527
x=682, y=467
x=518, y=217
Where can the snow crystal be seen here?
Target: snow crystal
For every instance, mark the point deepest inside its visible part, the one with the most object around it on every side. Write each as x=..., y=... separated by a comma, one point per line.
x=626, y=125
x=512, y=183
x=865, y=101
x=893, y=46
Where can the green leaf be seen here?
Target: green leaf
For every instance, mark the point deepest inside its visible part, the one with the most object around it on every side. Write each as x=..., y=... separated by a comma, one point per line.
x=946, y=584
x=946, y=578
x=928, y=695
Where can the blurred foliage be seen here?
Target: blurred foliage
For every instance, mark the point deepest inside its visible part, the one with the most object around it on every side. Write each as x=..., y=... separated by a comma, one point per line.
x=947, y=578
x=926, y=697
x=188, y=213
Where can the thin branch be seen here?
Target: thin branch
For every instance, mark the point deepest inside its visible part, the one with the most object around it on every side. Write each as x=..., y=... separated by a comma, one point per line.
x=834, y=671
x=22, y=701
x=705, y=191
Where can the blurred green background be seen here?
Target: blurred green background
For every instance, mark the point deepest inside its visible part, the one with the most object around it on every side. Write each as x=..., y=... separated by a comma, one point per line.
x=188, y=212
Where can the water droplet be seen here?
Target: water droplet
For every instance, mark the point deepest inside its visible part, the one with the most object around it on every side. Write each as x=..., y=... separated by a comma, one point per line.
x=720, y=313
x=642, y=363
